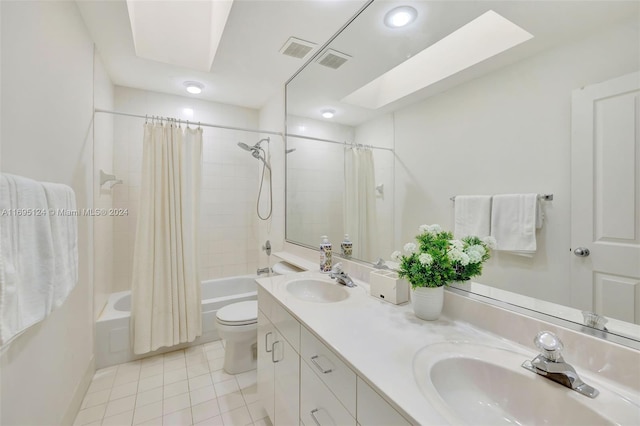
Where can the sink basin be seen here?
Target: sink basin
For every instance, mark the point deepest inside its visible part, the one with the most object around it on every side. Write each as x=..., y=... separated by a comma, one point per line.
x=311, y=290
x=475, y=384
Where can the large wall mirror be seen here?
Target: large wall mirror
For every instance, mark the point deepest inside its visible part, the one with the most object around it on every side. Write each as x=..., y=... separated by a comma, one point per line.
x=388, y=123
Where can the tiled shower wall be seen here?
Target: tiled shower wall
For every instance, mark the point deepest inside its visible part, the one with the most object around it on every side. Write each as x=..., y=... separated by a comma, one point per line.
x=228, y=222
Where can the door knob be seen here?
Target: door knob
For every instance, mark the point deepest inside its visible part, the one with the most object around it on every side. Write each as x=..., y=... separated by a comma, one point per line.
x=581, y=252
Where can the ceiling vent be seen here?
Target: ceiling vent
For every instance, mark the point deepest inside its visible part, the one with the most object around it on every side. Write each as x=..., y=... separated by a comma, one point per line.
x=333, y=59
x=297, y=48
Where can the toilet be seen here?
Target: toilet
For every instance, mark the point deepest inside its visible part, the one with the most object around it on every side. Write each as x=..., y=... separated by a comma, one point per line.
x=237, y=324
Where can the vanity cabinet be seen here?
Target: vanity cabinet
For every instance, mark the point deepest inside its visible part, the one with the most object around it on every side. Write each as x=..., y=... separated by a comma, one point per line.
x=278, y=366
x=302, y=381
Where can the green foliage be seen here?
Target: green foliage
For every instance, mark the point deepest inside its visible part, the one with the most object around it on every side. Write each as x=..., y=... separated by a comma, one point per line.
x=438, y=259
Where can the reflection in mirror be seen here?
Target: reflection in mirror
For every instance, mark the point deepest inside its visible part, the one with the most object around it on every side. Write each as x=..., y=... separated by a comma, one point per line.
x=518, y=120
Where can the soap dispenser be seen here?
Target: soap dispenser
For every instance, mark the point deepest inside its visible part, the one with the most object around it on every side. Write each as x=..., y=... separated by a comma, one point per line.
x=325, y=254
x=347, y=246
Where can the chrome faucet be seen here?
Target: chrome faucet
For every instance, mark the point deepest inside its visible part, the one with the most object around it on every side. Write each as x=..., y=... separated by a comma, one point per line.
x=263, y=270
x=551, y=365
x=340, y=276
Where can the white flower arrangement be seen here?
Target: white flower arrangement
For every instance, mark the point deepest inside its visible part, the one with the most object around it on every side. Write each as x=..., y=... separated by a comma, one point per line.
x=438, y=259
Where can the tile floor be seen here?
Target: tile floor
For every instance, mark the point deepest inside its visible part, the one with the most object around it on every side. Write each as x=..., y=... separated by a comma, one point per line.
x=184, y=387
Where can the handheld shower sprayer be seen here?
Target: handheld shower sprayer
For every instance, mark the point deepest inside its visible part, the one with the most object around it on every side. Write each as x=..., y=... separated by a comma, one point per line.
x=259, y=153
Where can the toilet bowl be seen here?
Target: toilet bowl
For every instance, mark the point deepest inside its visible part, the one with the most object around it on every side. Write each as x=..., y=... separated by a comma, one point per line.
x=237, y=324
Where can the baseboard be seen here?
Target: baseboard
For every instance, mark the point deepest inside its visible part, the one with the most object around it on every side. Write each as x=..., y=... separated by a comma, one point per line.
x=78, y=395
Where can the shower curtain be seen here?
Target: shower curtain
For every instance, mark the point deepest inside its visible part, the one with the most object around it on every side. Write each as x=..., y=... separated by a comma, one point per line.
x=360, y=201
x=165, y=288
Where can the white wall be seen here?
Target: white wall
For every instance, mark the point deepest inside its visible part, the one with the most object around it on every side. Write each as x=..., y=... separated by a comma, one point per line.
x=315, y=179
x=272, y=119
x=47, y=91
x=507, y=132
x=103, y=226
x=229, y=233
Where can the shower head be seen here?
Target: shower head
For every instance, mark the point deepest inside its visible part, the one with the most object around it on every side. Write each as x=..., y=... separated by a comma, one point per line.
x=245, y=146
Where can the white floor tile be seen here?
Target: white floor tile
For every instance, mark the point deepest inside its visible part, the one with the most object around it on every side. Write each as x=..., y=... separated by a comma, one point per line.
x=147, y=412
x=200, y=381
x=123, y=390
x=247, y=379
x=204, y=411
x=175, y=403
x=174, y=364
x=177, y=388
x=256, y=410
x=238, y=417
x=263, y=422
x=95, y=398
x=216, y=364
x=89, y=415
x=214, y=421
x=250, y=394
x=122, y=419
x=220, y=376
x=230, y=401
x=121, y=405
x=178, y=418
x=149, y=397
x=150, y=382
x=226, y=387
x=202, y=394
x=151, y=370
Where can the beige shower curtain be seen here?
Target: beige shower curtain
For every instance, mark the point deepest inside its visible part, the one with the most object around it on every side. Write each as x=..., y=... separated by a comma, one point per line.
x=165, y=289
x=360, y=218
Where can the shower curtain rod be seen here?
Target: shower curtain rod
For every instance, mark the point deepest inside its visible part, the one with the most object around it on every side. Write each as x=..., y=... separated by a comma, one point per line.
x=217, y=126
x=337, y=142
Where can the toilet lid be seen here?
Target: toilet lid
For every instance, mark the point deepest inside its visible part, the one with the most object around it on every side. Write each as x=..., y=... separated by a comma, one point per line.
x=239, y=313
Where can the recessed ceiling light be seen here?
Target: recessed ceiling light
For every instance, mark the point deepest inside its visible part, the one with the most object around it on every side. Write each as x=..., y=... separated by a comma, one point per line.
x=194, y=87
x=328, y=113
x=400, y=16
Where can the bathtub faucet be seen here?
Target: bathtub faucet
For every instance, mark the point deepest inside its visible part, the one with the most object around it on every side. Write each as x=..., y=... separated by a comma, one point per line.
x=266, y=270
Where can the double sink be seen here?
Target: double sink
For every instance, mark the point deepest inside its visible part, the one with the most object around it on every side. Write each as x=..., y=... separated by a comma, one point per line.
x=478, y=384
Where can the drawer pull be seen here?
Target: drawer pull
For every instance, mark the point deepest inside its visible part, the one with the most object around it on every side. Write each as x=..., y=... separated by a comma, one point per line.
x=318, y=366
x=273, y=351
x=313, y=416
x=266, y=345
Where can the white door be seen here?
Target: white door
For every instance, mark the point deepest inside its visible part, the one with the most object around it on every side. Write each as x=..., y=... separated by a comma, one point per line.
x=605, y=198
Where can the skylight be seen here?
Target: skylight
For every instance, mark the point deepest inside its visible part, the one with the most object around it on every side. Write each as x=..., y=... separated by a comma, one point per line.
x=184, y=33
x=480, y=39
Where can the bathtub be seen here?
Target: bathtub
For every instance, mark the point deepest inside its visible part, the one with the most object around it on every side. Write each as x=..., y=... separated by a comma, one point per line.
x=113, y=343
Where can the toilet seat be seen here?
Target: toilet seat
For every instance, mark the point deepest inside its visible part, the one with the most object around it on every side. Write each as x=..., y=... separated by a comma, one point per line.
x=237, y=314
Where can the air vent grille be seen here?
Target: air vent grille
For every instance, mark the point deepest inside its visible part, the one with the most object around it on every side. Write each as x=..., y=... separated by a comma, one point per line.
x=297, y=48
x=333, y=59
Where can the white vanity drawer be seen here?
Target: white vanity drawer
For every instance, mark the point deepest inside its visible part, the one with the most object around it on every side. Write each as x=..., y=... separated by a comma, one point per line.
x=318, y=406
x=373, y=410
x=339, y=378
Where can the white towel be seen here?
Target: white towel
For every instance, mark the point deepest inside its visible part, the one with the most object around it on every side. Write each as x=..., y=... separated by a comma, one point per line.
x=514, y=219
x=64, y=229
x=26, y=248
x=472, y=215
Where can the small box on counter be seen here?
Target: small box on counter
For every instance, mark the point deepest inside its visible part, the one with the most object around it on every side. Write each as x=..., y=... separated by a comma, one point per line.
x=386, y=285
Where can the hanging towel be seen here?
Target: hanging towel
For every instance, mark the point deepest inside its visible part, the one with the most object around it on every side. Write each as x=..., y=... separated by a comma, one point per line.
x=514, y=218
x=64, y=231
x=472, y=216
x=26, y=248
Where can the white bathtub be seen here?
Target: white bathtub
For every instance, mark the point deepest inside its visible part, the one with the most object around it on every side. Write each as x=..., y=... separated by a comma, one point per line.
x=113, y=343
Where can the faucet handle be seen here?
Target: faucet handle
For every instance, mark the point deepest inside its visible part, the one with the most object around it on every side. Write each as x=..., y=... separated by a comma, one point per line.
x=550, y=345
x=337, y=268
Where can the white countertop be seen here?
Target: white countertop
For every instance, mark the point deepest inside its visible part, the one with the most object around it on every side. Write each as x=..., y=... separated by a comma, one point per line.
x=379, y=340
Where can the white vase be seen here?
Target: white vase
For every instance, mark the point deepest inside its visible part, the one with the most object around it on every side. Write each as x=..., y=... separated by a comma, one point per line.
x=427, y=302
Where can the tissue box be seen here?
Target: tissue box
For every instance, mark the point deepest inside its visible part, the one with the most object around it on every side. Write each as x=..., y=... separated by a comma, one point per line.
x=387, y=286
